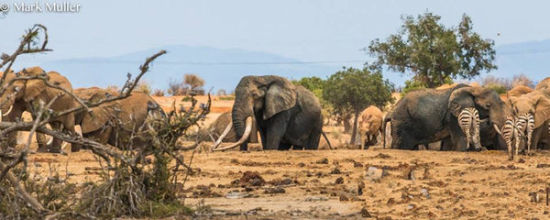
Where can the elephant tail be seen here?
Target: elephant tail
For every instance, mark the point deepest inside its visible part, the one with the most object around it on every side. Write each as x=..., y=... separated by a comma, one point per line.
x=387, y=119
x=326, y=138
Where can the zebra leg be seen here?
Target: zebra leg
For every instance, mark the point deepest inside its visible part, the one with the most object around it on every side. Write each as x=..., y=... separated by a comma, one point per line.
x=530, y=128
x=518, y=141
x=509, y=133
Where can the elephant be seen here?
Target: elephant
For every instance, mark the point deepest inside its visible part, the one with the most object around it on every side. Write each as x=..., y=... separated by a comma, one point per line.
x=518, y=91
x=429, y=115
x=217, y=127
x=115, y=122
x=285, y=114
x=370, y=123
x=544, y=86
x=28, y=94
x=531, y=113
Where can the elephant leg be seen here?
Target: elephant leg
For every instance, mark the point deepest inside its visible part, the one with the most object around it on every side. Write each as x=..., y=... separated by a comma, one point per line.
x=404, y=141
x=273, y=138
x=537, y=133
x=363, y=140
x=286, y=147
x=459, y=142
x=446, y=144
x=275, y=131
x=55, y=147
x=313, y=140
x=9, y=142
x=41, y=140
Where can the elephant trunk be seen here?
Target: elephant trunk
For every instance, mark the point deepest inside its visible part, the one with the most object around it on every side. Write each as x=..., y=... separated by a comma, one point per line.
x=241, y=111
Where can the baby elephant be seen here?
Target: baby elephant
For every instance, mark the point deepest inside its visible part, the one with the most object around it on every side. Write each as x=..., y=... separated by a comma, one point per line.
x=370, y=123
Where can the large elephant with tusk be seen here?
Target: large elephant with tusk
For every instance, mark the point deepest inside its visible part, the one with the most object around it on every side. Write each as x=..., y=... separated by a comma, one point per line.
x=285, y=115
x=27, y=92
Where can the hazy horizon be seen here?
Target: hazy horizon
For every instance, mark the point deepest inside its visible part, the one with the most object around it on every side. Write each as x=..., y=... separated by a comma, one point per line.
x=320, y=32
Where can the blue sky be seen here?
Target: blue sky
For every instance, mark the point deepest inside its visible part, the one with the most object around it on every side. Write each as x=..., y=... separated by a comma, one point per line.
x=307, y=30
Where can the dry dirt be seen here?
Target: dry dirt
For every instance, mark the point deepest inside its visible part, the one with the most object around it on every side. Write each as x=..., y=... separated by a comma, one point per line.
x=327, y=184
x=350, y=183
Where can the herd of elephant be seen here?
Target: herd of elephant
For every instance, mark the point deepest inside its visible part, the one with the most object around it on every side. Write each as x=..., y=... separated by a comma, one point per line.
x=459, y=118
x=464, y=115
x=287, y=116
x=113, y=123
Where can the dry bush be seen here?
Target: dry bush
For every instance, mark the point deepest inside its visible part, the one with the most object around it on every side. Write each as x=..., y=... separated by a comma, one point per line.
x=113, y=88
x=158, y=92
x=221, y=92
x=140, y=190
x=144, y=87
x=130, y=187
x=176, y=88
x=522, y=80
x=193, y=81
x=499, y=84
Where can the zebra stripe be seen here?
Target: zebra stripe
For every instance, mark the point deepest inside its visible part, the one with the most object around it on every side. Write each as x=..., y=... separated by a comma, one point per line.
x=468, y=120
x=525, y=125
x=509, y=134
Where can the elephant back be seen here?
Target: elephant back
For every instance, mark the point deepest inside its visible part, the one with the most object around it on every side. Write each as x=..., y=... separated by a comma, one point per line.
x=518, y=91
x=133, y=111
x=544, y=86
x=94, y=94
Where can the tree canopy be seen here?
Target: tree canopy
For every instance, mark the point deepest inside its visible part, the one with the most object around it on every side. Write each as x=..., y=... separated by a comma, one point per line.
x=434, y=53
x=355, y=89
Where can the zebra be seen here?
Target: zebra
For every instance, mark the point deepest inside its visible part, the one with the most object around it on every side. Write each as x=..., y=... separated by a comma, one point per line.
x=517, y=129
x=509, y=133
x=525, y=125
x=468, y=120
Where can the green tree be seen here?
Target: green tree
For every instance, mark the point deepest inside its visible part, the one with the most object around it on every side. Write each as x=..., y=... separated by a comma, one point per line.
x=433, y=52
x=357, y=89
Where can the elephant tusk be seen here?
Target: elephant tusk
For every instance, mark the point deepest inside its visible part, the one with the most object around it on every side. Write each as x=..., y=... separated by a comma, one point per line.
x=247, y=132
x=8, y=112
x=222, y=136
x=50, y=141
x=497, y=129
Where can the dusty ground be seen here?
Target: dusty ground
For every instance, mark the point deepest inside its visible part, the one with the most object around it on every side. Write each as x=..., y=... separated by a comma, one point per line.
x=349, y=183
x=327, y=184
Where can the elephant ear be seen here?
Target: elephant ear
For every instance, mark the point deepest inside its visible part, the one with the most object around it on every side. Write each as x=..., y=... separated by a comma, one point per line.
x=461, y=97
x=542, y=110
x=96, y=119
x=280, y=96
x=33, y=88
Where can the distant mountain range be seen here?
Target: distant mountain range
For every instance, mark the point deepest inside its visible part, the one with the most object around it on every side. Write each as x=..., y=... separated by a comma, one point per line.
x=222, y=68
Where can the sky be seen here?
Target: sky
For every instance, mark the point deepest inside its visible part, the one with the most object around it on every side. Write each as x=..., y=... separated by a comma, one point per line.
x=307, y=30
